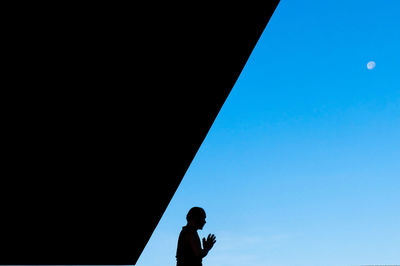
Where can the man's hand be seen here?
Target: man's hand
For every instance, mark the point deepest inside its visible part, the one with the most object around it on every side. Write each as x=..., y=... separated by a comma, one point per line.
x=209, y=243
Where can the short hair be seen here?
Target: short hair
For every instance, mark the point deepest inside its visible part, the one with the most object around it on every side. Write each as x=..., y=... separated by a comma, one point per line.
x=195, y=213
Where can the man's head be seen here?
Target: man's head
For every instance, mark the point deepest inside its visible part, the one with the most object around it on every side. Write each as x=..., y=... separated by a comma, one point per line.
x=196, y=217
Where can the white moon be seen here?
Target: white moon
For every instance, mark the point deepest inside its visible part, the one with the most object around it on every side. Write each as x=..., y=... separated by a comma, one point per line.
x=371, y=65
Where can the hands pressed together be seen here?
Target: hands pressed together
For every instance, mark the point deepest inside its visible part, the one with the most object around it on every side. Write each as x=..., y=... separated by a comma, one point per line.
x=209, y=243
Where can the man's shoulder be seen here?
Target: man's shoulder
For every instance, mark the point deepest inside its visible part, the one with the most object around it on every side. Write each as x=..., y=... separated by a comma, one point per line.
x=189, y=232
x=189, y=229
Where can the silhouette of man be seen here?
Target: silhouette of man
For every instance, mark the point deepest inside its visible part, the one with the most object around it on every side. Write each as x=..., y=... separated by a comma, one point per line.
x=189, y=251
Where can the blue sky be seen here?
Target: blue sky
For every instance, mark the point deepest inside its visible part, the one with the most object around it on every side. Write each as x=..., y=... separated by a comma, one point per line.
x=302, y=165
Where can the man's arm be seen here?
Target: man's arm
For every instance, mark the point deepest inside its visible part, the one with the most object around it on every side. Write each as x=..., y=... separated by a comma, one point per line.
x=196, y=246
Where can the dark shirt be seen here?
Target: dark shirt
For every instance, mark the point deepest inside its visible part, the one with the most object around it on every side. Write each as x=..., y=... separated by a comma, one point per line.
x=187, y=242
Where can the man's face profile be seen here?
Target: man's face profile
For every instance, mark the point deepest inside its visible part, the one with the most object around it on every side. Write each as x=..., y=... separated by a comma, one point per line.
x=201, y=221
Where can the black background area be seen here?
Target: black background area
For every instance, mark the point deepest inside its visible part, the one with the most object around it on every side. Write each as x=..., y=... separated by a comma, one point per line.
x=104, y=107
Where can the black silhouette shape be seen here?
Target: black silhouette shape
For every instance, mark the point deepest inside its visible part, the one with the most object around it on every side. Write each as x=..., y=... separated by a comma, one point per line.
x=189, y=251
x=88, y=119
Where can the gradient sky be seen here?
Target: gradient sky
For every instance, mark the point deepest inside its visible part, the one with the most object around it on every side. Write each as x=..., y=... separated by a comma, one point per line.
x=302, y=165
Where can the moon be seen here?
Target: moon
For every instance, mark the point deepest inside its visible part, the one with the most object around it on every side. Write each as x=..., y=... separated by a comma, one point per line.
x=371, y=65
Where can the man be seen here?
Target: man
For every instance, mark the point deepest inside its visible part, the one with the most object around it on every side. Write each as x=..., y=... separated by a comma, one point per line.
x=189, y=251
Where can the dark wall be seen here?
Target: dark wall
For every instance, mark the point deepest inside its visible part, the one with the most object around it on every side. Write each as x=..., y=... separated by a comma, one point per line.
x=108, y=106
